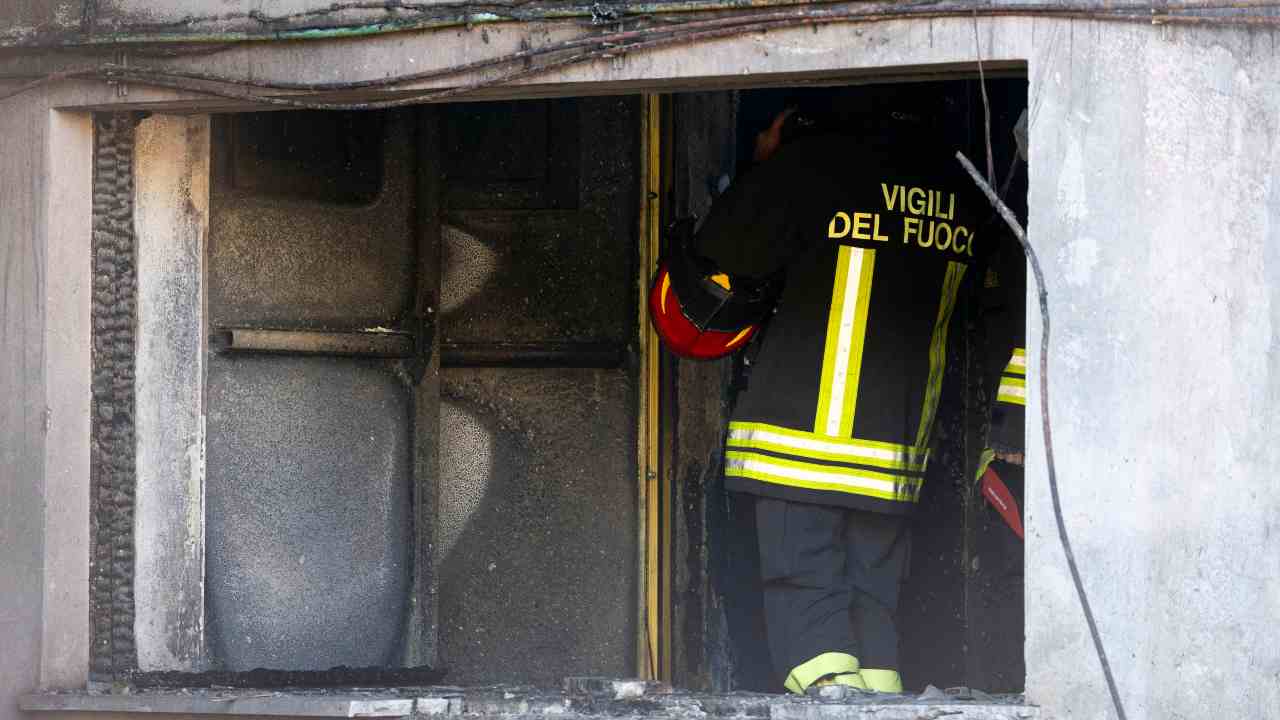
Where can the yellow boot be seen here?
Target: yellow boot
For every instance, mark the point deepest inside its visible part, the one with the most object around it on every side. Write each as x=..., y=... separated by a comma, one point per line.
x=885, y=681
x=837, y=667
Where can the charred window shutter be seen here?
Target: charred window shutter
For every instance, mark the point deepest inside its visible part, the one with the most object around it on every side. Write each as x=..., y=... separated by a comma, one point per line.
x=537, y=495
x=310, y=434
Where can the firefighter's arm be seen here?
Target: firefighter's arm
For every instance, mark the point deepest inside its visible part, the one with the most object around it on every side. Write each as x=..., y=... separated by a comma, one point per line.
x=751, y=229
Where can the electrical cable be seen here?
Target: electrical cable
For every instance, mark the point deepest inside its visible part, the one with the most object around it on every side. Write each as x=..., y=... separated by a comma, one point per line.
x=403, y=16
x=986, y=104
x=618, y=43
x=1043, y=295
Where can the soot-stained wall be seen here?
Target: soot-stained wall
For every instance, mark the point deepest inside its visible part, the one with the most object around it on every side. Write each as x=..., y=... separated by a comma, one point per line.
x=309, y=533
x=537, y=493
x=320, y=224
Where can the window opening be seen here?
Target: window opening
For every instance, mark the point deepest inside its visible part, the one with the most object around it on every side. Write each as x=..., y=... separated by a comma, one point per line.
x=421, y=397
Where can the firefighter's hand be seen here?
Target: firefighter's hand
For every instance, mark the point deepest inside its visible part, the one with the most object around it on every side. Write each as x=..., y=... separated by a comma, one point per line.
x=768, y=140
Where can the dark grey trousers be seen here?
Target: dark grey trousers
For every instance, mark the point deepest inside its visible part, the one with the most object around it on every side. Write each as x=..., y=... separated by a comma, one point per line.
x=831, y=579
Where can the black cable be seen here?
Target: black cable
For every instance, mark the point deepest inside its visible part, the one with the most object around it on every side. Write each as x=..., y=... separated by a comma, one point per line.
x=602, y=45
x=1043, y=295
x=986, y=104
x=408, y=16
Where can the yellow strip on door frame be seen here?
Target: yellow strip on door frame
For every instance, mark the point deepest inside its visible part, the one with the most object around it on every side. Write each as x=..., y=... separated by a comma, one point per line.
x=651, y=652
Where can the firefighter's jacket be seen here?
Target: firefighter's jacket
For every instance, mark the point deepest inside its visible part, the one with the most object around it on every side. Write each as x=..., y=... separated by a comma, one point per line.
x=876, y=237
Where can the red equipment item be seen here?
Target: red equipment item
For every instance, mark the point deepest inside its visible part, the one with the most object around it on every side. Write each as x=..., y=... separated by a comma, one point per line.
x=679, y=333
x=997, y=493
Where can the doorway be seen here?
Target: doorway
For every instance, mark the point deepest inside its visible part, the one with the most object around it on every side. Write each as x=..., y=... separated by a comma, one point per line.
x=961, y=611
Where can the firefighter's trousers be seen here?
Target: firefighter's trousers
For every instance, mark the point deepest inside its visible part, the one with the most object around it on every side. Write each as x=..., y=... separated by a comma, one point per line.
x=831, y=578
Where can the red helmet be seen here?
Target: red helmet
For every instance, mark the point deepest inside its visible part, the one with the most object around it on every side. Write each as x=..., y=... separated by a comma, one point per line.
x=680, y=334
x=700, y=312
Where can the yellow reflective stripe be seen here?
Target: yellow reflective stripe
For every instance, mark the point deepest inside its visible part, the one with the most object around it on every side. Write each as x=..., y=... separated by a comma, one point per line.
x=790, y=432
x=938, y=349
x=774, y=438
x=1012, y=390
x=1013, y=396
x=846, y=333
x=811, y=476
x=1018, y=363
x=810, y=671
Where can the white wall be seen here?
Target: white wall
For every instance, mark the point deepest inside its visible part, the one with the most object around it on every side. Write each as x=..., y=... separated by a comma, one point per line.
x=1155, y=201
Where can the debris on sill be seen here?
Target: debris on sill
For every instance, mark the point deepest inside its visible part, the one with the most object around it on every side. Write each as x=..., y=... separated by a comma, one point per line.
x=581, y=697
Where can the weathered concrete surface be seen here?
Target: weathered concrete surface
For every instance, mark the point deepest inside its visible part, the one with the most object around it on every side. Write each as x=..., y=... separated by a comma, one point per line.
x=536, y=554
x=1153, y=156
x=282, y=261
x=587, y=698
x=22, y=19
x=22, y=439
x=44, y=380
x=64, y=652
x=309, y=486
x=29, y=23
x=1155, y=202
x=537, y=581
x=345, y=705
x=171, y=208
x=308, y=531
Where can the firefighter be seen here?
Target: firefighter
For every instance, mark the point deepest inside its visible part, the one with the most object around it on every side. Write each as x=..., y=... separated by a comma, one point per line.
x=863, y=241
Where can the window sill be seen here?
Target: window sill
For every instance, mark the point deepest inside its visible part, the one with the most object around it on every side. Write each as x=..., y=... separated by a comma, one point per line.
x=593, y=699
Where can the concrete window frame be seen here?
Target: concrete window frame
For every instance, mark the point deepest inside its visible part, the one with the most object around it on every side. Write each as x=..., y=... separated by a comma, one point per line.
x=1152, y=201
x=172, y=192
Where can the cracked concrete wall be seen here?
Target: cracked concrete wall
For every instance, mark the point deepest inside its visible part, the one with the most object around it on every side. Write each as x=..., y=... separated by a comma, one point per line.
x=1153, y=198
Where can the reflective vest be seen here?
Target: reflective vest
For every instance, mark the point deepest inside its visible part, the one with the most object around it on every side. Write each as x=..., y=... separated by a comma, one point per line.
x=877, y=238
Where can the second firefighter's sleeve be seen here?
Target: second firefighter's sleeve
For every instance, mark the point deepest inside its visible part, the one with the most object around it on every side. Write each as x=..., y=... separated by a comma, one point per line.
x=1005, y=287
